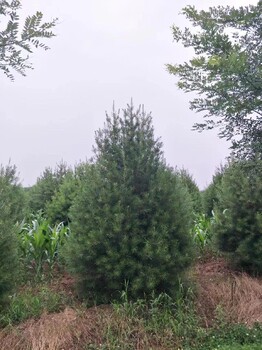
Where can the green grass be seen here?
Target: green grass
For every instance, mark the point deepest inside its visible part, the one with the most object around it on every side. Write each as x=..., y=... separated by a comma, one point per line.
x=31, y=303
x=226, y=336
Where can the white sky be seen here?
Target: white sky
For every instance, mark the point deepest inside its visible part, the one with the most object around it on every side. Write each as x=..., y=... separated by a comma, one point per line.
x=105, y=51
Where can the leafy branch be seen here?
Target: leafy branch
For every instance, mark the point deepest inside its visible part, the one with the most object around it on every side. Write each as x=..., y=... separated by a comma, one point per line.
x=15, y=44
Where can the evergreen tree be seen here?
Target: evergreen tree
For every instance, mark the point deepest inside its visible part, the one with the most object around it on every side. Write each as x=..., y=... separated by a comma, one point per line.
x=210, y=195
x=131, y=220
x=57, y=210
x=193, y=190
x=40, y=195
x=239, y=225
x=11, y=210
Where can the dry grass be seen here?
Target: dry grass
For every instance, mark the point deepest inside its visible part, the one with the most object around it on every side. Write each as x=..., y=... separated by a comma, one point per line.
x=237, y=294
x=67, y=330
x=121, y=332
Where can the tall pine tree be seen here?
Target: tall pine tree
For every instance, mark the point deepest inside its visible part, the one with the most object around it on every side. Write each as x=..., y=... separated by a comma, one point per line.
x=131, y=221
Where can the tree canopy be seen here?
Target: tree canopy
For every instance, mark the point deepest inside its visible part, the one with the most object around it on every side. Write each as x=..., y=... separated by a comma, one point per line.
x=226, y=72
x=16, y=44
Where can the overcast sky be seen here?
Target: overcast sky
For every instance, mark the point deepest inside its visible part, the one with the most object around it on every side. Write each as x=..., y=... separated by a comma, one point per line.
x=105, y=51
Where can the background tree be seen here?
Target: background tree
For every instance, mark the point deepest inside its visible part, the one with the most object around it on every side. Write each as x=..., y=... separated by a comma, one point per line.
x=131, y=219
x=193, y=190
x=40, y=195
x=16, y=44
x=58, y=208
x=12, y=193
x=226, y=72
x=210, y=196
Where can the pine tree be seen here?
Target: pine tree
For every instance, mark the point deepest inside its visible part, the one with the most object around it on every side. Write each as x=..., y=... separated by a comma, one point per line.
x=210, y=195
x=41, y=194
x=131, y=221
x=189, y=182
x=57, y=209
x=239, y=220
x=11, y=210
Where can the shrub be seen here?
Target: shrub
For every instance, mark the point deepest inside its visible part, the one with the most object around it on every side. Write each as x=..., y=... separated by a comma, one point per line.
x=131, y=221
x=239, y=211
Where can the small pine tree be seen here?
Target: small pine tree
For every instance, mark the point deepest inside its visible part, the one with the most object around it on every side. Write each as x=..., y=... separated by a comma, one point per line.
x=238, y=227
x=131, y=220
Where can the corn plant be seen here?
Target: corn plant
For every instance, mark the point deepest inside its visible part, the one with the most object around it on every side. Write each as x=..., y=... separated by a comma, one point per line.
x=202, y=230
x=57, y=236
x=40, y=242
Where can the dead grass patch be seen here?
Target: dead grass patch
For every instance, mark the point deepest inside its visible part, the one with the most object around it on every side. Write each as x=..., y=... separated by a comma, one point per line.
x=123, y=332
x=67, y=330
x=237, y=294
